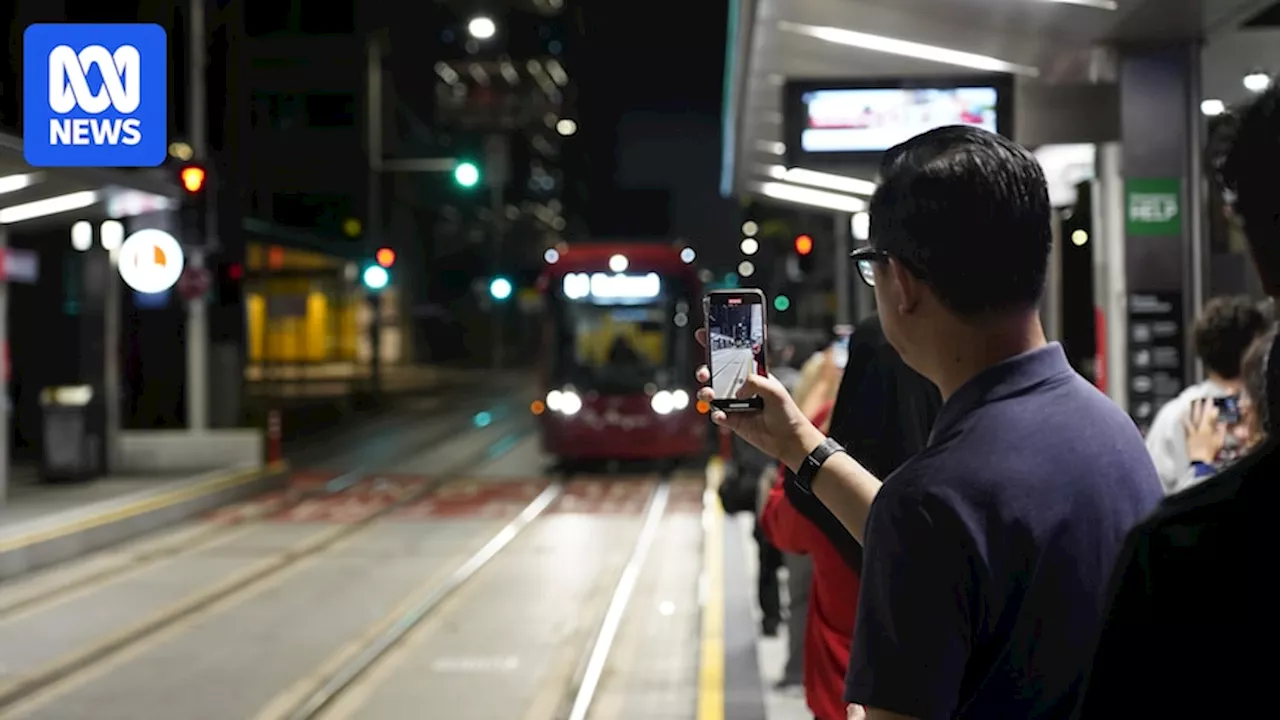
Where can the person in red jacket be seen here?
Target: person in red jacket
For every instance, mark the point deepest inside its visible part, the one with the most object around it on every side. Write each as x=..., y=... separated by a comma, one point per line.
x=832, y=595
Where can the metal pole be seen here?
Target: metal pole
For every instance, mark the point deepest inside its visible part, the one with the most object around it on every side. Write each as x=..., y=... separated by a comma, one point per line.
x=842, y=230
x=4, y=359
x=111, y=362
x=1193, y=199
x=374, y=235
x=197, y=387
x=499, y=307
x=1112, y=292
x=1051, y=303
x=496, y=160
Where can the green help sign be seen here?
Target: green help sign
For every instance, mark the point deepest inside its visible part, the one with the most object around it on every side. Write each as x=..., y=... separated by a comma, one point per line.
x=1153, y=207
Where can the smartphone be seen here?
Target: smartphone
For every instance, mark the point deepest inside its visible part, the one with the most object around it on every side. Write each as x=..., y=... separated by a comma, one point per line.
x=1228, y=409
x=737, y=337
x=840, y=348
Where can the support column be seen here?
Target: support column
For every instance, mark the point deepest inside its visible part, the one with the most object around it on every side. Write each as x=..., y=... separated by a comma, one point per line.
x=1160, y=134
x=112, y=374
x=96, y=271
x=4, y=359
x=1109, y=278
x=197, y=386
x=840, y=235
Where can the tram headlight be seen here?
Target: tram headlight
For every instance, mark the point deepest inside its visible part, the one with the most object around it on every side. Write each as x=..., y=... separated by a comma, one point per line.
x=679, y=399
x=662, y=402
x=565, y=402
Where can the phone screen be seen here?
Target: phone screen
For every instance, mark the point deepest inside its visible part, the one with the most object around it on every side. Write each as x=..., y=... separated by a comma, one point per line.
x=735, y=346
x=840, y=351
x=1228, y=409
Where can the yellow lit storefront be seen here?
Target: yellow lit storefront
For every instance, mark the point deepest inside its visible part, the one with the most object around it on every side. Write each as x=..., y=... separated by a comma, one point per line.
x=307, y=316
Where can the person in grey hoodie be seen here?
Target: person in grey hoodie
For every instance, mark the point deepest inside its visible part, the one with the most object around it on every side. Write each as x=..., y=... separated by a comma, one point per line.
x=1223, y=332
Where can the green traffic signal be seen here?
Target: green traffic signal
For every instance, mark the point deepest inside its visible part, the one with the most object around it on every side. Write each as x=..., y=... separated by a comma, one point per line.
x=781, y=303
x=466, y=174
x=376, y=277
x=500, y=288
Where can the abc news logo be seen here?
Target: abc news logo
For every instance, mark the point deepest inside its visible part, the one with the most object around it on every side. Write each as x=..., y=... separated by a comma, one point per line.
x=95, y=95
x=69, y=91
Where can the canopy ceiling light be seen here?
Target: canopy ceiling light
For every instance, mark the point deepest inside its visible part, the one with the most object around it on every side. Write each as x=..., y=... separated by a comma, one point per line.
x=825, y=181
x=14, y=183
x=907, y=48
x=1095, y=4
x=48, y=206
x=815, y=198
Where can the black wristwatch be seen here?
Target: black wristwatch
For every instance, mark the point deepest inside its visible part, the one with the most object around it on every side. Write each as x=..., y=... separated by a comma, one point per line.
x=809, y=468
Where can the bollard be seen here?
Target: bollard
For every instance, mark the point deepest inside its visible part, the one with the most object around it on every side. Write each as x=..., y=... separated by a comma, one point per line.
x=275, y=450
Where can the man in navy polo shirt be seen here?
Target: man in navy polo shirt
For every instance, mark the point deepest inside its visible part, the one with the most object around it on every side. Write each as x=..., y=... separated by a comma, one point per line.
x=987, y=555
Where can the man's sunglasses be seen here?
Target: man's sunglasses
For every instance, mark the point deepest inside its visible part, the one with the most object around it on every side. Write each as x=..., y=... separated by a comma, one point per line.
x=865, y=258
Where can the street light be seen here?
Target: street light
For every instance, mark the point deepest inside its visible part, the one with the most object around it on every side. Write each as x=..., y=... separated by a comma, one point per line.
x=1257, y=81
x=566, y=127
x=481, y=27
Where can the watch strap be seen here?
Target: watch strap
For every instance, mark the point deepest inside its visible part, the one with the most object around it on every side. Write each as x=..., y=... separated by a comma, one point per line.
x=814, y=462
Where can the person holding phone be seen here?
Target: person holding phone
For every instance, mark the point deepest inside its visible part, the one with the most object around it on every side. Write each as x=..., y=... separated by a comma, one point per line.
x=952, y=624
x=1238, y=422
x=1223, y=331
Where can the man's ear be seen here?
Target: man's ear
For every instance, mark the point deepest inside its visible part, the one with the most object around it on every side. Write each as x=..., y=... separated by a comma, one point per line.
x=910, y=289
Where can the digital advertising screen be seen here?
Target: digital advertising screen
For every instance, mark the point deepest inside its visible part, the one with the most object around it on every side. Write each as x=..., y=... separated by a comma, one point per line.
x=875, y=119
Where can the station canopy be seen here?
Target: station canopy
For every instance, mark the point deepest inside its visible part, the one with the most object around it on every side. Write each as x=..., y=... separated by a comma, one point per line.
x=63, y=195
x=1035, y=41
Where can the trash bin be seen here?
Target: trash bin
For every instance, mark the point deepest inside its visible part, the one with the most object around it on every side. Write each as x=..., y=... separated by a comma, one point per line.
x=73, y=434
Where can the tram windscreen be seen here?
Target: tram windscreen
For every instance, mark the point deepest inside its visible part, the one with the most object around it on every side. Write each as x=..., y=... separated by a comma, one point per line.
x=616, y=348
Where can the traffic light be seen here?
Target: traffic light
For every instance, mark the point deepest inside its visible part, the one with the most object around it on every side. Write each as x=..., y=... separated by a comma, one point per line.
x=803, y=258
x=466, y=174
x=781, y=303
x=230, y=284
x=385, y=257
x=375, y=277
x=194, y=179
x=500, y=288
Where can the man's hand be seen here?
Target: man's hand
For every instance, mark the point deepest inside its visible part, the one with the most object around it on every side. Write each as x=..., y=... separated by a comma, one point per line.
x=780, y=430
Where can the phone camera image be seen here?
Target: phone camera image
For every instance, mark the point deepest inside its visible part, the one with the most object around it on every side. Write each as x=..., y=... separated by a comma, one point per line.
x=736, y=338
x=1228, y=409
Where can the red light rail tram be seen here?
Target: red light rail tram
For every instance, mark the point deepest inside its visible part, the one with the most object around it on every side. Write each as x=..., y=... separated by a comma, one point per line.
x=618, y=355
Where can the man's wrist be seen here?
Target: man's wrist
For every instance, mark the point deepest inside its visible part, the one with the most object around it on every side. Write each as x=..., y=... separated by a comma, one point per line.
x=807, y=440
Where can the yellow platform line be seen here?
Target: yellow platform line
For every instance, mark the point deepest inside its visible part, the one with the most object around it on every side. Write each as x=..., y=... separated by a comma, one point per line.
x=213, y=485
x=711, y=663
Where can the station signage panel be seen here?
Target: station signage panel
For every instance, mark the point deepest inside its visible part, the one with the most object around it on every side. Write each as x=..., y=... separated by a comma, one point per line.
x=1153, y=207
x=150, y=261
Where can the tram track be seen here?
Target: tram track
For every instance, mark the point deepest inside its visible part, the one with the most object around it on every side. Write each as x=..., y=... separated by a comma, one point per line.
x=208, y=534
x=27, y=689
x=582, y=655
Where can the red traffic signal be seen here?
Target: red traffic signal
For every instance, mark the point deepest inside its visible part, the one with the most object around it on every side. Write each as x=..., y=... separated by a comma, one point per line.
x=192, y=178
x=804, y=245
x=386, y=257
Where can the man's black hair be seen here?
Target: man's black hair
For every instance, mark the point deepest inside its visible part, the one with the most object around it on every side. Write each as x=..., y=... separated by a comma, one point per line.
x=967, y=211
x=1226, y=327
